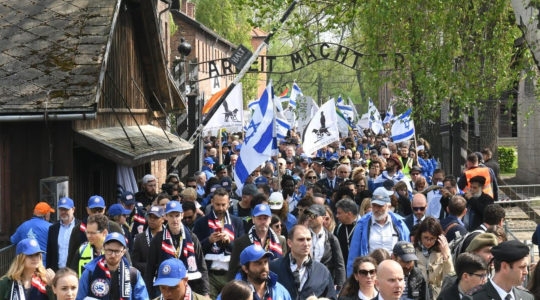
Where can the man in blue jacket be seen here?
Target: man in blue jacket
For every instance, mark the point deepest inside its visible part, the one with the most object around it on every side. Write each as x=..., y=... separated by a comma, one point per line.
x=380, y=228
x=109, y=276
x=298, y=272
x=256, y=272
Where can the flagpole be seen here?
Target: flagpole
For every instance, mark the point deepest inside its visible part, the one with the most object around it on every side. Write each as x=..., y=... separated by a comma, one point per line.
x=237, y=79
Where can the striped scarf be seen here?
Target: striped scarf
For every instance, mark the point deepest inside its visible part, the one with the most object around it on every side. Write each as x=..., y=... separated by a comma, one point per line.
x=38, y=290
x=100, y=280
x=271, y=244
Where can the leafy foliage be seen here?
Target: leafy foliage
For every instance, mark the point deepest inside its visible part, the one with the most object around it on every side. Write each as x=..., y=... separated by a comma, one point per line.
x=455, y=51
x=507, y=156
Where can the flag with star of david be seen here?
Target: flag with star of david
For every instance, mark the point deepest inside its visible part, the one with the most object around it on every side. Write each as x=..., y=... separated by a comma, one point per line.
x=403, y=128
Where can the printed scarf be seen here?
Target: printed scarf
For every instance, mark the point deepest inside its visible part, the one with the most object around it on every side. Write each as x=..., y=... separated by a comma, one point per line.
x=100, y=280
x=38, y=289
x=187, y=250
x=214, y=224
x=271, y=244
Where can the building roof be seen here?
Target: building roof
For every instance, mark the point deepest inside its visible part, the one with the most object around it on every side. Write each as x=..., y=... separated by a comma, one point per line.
x=51, y=54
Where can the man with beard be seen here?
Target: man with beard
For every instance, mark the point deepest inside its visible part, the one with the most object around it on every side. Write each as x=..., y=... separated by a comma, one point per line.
x=176, y=241
x=148, y=191
x=379, y=228
x=477, y=201
x=415, y=284
x=217, y=231
x=298, y=272
x=475, y=169
x=288, y=187
x=392, y=172
x=256, y=272
x=259, y=234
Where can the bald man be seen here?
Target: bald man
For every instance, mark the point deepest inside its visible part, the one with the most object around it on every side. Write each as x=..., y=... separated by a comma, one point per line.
x=418, y=206
x=390, y=280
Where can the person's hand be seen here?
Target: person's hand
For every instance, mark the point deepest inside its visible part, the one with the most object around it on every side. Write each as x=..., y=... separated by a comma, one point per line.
x=443, y=246
x=215, y=237
x=49, y=274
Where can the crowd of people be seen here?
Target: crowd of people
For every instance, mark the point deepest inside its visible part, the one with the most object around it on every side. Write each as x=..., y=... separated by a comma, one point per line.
x=362, y=218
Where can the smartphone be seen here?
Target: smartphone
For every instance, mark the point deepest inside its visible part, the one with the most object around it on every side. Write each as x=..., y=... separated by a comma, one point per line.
x=218, y=230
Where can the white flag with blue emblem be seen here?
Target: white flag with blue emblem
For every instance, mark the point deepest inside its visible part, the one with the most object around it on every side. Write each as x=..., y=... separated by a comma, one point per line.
x=296, y=91
x=375, y=122
x=257, y=145
x=403, y=128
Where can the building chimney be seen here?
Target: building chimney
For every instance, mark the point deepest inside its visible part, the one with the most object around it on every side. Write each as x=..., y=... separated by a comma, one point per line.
x=190, y=10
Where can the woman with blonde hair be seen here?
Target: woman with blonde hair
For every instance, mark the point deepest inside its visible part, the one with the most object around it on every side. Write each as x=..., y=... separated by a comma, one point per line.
x=365, y=207
x=329, y=222
x=26, y=277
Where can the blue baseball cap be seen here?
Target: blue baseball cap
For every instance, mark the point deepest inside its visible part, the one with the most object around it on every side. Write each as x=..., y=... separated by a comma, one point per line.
x=262, y=210
x=117, y=210
x=261, y=180
x=253, y=253
x=173, y=206
x=116, y=237
x=170, y=272
x=28, y=247
x=66, y=202
x=96, y=201
x=209, y=160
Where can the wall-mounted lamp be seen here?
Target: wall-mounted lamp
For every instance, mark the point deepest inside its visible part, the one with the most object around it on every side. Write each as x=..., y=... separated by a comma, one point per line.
x=184, y=48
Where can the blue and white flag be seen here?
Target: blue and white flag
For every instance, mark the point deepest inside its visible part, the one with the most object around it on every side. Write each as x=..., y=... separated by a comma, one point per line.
x=389, y=115
x=346, y=110
x=296, y=91
x=282, y=124
x=258, y=141
x=375, y=122
x=403, y=128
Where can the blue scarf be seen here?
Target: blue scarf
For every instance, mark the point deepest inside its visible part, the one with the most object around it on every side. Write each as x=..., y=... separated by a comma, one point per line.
x=185, y=253
x=38, y=290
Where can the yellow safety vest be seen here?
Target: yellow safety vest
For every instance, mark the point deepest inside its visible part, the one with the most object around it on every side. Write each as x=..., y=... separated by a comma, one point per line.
x=86, y=256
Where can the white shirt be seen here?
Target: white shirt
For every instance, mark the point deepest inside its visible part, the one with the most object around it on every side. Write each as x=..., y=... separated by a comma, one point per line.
x=502, y=293
x=434, y=204
x=302, y=272
x=317, y=246
x=382, y=236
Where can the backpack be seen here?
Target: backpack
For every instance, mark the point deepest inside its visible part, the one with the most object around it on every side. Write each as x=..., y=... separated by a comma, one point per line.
x=456, y=245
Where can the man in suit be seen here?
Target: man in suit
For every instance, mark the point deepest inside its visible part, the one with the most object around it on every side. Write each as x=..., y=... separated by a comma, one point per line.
x=59, y=237
x=511, y=261
x=331, y=182
x=418, y=205
x=471, y=274
x=298, y=272
x=390, y=280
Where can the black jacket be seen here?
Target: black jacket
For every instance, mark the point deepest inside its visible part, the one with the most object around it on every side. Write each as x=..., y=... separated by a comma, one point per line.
x=52, y=244
x=416, y=285
x=488, y=292
x=333, y=259
x=319, y=282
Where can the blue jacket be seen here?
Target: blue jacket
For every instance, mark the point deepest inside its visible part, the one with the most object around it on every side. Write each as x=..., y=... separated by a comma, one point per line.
x=278, y=290
x=360, y=239
x=319, y=282
x=138, y=292
x=35, y=228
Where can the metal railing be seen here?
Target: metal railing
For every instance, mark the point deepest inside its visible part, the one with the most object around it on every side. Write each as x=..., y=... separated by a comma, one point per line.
x=7, y=254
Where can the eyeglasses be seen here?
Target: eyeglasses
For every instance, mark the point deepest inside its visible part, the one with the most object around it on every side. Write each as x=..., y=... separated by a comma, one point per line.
x=174, y=181
x=97, y=210
x=113, y=252
x=366, y=272
x=481, y=276
x=277, y=225
x=422, y=208
x=93, y=232
x=311, y=177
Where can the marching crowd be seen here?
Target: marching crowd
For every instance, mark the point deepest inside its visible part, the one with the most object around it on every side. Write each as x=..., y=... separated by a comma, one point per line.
x=362, y=218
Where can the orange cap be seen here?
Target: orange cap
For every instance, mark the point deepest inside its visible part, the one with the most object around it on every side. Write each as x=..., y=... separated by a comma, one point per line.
x=42, y=208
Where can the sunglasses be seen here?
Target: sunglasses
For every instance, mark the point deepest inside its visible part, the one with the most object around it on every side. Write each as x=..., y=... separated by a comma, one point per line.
x=311, y=177
x=192, y=186
x=97, y=210
x=366, y=272
x=419, y=208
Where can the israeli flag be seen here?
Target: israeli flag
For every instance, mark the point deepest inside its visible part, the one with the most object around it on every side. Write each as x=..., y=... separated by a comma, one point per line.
x=296, y=91
x=403, y=128
x=258, y=141
x=345, y=109
x=389, y=115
